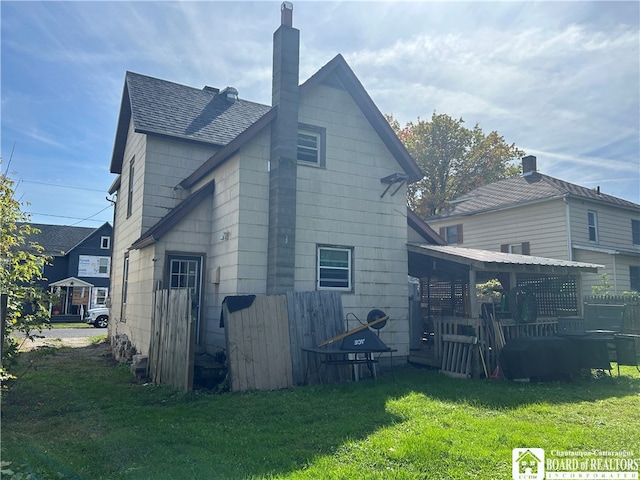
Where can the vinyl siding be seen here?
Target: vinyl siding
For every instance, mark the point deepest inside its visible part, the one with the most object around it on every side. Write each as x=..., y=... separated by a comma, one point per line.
x=543, y=225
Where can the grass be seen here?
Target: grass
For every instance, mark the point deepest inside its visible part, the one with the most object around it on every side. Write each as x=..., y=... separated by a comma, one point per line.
x=74, y=414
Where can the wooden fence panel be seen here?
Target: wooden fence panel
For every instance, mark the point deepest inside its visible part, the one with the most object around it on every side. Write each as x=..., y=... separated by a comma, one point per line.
x=172, y=340
x=258, y=346
x=313, y=318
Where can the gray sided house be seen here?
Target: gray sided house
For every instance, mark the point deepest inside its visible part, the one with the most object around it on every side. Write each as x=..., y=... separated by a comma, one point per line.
x=79, y=268
x=230, y=197
x=535, y=214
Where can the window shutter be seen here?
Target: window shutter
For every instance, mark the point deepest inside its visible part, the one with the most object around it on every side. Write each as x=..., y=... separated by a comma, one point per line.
x=504, y=248
x=459, y=233
x=526, y=249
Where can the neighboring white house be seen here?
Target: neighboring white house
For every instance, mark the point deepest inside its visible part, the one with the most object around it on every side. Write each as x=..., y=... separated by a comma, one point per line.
x=230, y=197
x=535, y=214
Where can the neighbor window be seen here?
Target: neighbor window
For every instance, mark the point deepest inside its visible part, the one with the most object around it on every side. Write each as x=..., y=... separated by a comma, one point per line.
x=634, y=278
x=130, y=190
x=311, y=145
x=592, y=218
x=100, y=295
x=517, y=248
x=452, y=234
x=335, y=268
x=103, y=264
x=635, y=231
x=105, y=243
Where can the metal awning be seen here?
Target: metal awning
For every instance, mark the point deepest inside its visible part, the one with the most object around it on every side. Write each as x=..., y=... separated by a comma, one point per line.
x=426, y=257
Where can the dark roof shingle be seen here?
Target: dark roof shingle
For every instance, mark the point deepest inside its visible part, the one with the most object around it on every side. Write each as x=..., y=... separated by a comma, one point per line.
x=166, y=108
x=58, y=239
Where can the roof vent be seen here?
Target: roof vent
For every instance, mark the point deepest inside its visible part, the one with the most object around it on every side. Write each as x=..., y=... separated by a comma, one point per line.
x=214, y=90
x=230, y=93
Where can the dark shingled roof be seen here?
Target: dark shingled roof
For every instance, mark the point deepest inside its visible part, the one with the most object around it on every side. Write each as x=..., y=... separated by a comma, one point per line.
x=58, y=240
x=165, y=108
x=521, y=190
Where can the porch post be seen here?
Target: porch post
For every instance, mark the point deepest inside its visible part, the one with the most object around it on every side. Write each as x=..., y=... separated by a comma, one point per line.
x=473, y=298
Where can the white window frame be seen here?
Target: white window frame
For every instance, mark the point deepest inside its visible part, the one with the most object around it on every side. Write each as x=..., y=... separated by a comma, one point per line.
x=308, y=150
x=320, y=269
x=105, y=242
x=592, y=225
x=100, y=293
x=319, y=133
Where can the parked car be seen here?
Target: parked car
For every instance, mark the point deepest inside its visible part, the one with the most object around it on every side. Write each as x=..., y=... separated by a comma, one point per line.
x=98, y=317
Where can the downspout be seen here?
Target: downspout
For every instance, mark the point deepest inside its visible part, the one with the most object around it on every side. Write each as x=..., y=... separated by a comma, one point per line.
x=568, y=218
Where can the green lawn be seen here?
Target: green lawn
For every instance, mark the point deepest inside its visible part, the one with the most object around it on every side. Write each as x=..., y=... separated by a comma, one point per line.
x=74, y=414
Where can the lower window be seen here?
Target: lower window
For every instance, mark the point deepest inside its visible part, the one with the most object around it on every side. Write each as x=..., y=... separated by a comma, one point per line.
x=335, y=268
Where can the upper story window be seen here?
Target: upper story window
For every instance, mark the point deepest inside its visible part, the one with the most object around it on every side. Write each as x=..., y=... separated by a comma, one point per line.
x=130, y=189
x=452, y=234
x=592, y=218
x=311, y=145
x=634, y=278
x=635, y=231
x=335, y=270
x=517, y=248
x=105, y=243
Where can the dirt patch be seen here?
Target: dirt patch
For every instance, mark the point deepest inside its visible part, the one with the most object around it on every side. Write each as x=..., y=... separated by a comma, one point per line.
x=29, y=345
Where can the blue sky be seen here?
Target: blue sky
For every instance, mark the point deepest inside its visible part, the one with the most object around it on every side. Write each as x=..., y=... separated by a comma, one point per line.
x=561, y=80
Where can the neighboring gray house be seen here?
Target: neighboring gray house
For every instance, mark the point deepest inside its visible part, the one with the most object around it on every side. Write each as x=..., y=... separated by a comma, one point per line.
x=535, y=214
x=231, y=197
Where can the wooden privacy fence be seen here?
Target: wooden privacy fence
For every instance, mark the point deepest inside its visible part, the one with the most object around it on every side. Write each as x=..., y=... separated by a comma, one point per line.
x=265, y=340
x=258, y=346
x=172, y=339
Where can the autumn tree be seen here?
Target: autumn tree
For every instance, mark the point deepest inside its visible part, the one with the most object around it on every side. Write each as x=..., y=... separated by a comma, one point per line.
x=21, y=266
x=454, y=159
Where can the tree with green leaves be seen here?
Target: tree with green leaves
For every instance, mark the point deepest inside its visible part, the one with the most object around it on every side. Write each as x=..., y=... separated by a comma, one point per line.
x=454, y=159
x=21, y=265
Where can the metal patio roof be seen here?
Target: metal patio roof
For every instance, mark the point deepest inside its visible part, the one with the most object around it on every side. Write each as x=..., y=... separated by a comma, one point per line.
x=486, y=260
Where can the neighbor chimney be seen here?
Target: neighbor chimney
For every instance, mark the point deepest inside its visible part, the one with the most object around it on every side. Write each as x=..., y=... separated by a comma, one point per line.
x=528, y=165
x=284, y=145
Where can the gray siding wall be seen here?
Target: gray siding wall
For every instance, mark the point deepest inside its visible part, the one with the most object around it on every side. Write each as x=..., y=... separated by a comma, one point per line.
x=341, y=205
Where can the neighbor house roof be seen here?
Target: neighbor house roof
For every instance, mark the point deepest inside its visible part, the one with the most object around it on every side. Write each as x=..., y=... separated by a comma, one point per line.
x=159, y=107
x=59, y=240
x=523, y=190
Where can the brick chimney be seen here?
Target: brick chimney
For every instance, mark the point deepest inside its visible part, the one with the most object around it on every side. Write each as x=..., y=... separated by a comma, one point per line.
x=528, y=165
x=284, y=142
